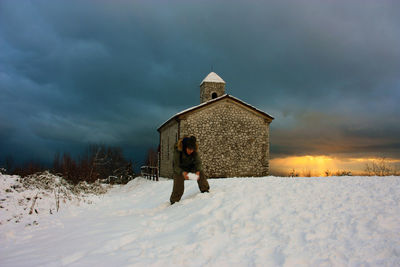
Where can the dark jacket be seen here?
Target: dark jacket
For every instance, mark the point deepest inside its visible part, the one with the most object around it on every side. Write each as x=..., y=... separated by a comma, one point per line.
x=184, y=162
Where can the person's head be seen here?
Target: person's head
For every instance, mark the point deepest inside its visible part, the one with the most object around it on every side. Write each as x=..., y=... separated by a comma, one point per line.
x=189, y=144
x=189, y=151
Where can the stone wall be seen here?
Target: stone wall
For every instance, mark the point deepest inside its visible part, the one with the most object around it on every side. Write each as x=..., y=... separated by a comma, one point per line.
x=168, y=138
x=233, y=139
x=207, y=89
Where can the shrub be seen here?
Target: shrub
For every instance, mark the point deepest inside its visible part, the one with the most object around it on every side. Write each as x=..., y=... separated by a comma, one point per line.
x=294, y=173
x=380, y=167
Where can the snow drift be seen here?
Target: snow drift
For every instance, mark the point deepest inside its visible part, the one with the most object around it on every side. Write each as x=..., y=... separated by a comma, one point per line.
x=336, y=221
x=41, y=194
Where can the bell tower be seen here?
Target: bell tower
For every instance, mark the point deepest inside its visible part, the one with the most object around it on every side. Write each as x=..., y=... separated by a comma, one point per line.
x=211, y=87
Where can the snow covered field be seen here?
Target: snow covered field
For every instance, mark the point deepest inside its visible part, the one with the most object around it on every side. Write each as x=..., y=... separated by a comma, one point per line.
x=337, y=221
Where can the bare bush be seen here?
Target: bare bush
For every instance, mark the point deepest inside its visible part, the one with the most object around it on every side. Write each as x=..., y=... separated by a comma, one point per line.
x=28, y=168
x=343, y=173
x=380, y=167
x=337, y=173
x=294, y=173
x=307, y=173
x=42, y=193
x=97, y=162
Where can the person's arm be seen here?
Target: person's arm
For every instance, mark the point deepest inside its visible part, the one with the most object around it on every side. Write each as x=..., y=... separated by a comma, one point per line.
x=197, y=163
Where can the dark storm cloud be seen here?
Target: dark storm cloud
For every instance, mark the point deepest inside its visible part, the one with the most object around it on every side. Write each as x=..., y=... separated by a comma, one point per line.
x=77, y=72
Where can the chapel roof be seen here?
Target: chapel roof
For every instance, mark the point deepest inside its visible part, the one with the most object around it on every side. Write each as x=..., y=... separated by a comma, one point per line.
x=176, y=116
x=212, y=77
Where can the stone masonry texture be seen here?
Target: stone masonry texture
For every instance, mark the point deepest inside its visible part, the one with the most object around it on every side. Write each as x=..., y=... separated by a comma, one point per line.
x=233, y=140
x=168, y=138
x=207, y=89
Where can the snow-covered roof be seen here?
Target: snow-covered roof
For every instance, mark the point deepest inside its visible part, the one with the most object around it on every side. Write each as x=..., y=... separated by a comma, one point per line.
x=250, y=106
x=212, y=77
x=212, y=101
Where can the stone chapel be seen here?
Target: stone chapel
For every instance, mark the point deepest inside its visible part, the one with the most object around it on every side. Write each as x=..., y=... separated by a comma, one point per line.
x=233, y=136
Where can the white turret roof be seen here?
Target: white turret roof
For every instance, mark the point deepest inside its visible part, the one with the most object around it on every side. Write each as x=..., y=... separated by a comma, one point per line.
x=212, y=77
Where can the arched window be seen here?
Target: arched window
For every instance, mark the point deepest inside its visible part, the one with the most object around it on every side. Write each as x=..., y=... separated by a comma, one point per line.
x=214, y=95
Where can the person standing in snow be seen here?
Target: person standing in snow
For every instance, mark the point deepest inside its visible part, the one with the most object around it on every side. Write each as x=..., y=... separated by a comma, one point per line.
x=186, y=159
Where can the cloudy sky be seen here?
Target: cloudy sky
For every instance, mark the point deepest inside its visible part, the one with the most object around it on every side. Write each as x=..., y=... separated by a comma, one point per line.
x=79, y=72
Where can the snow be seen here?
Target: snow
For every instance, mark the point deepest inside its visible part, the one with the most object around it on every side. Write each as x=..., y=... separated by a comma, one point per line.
x=40, y=196
x=269, y=221
x=251, y=106
x=213, y=78
x=193, y=176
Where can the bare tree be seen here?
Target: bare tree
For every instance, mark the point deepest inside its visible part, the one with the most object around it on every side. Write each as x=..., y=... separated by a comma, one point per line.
x=294, y=173
x=9, y=163
x=106, y=162
x=97, y=161
x=151, y=158
x=28, y=168
x=57, y=163
x=380, y=167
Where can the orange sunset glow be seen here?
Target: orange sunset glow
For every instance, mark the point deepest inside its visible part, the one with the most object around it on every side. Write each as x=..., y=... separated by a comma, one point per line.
x=318, y=165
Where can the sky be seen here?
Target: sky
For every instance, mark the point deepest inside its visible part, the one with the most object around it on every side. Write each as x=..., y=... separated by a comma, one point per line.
x=79, y=72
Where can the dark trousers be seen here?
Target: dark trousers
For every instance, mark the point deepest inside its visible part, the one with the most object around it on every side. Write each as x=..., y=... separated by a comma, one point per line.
x=179, y=186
